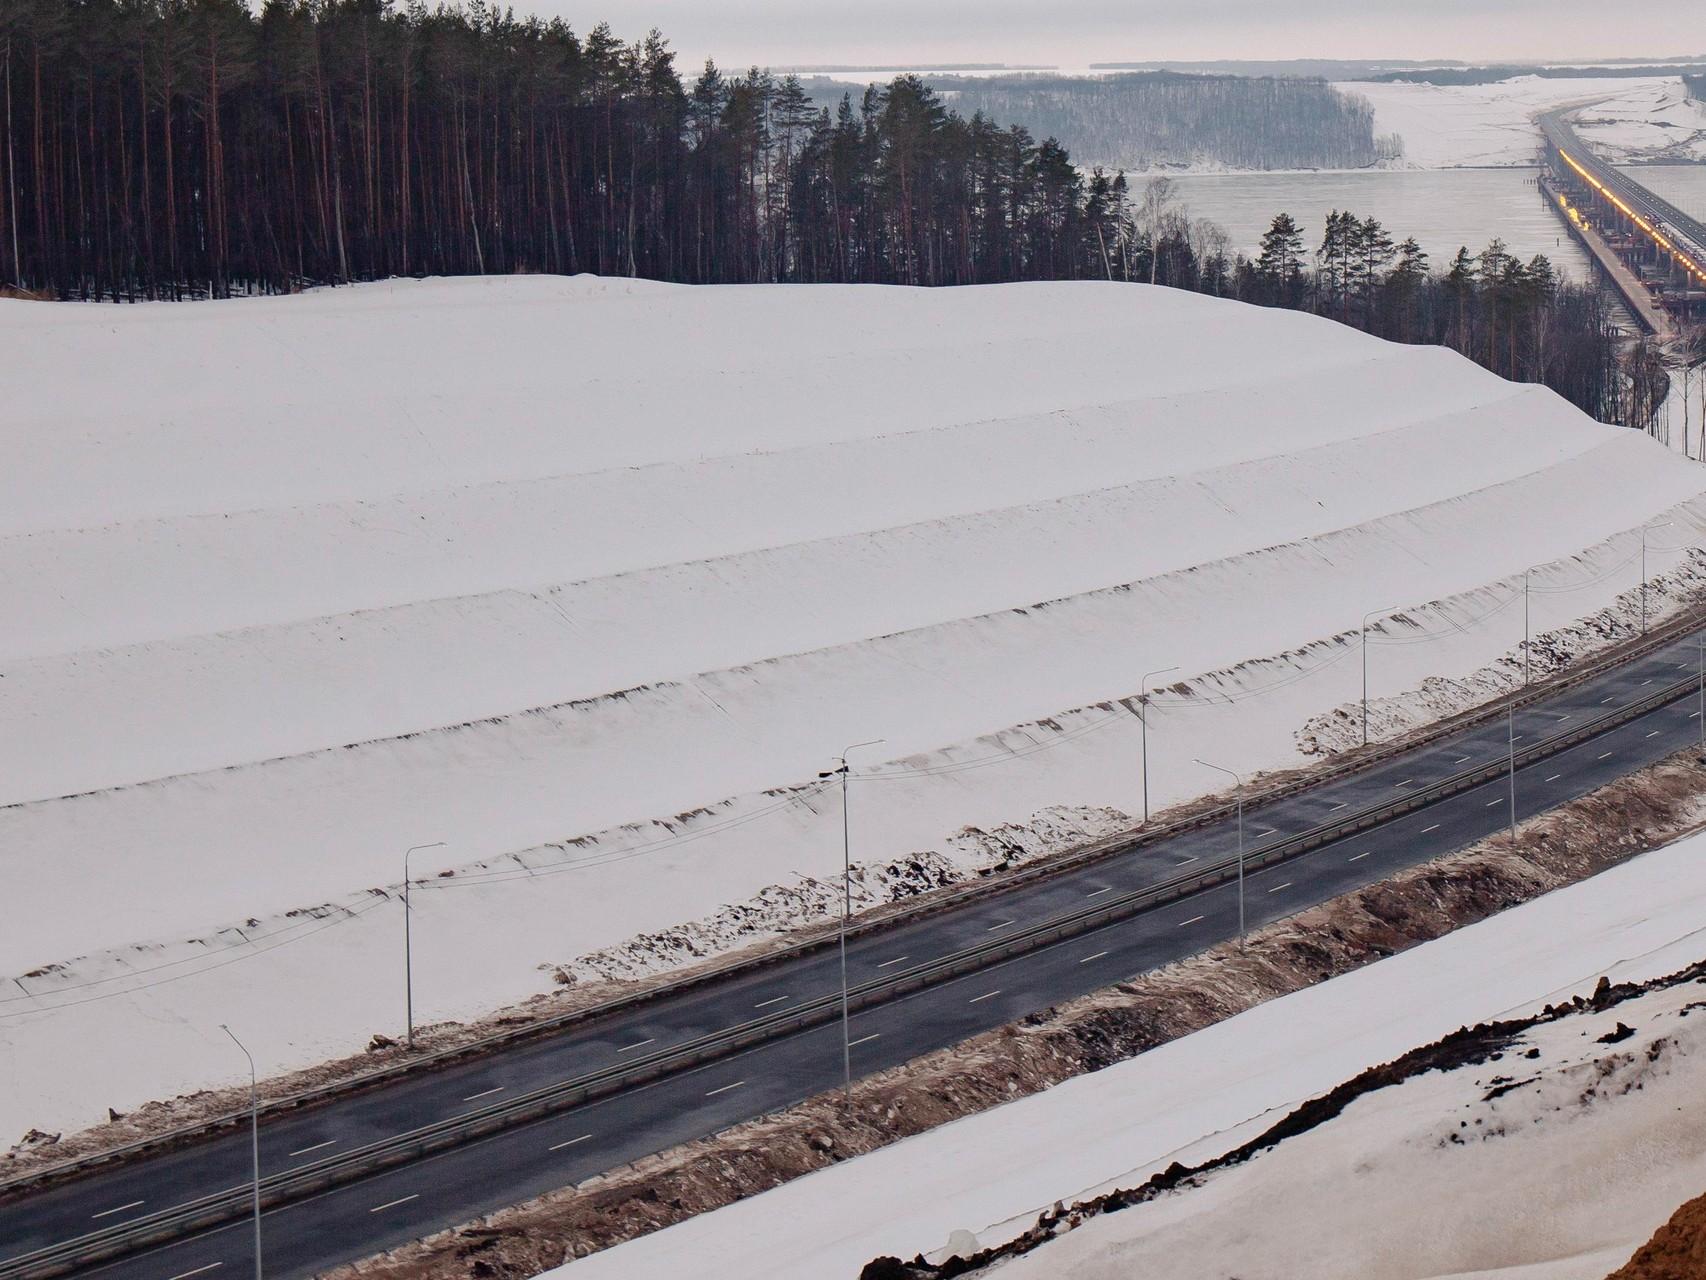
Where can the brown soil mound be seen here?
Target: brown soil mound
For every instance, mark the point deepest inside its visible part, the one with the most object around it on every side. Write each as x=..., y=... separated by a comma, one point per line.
x=1677, y=1250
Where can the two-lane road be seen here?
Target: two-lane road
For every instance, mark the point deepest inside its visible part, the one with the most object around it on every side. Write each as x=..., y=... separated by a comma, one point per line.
x=427, y=1195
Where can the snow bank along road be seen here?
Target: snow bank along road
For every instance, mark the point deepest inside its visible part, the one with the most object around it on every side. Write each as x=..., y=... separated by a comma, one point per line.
x=1645, y=709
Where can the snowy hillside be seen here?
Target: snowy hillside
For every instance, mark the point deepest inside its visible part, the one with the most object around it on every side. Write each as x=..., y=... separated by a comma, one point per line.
x=1491, y=125
x=588, y=579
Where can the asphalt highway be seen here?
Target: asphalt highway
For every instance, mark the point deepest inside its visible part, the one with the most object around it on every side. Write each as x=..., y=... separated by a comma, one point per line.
x=417, y=1199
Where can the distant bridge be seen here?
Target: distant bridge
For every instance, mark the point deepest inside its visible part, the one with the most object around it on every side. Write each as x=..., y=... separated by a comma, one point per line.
x=1654, y=252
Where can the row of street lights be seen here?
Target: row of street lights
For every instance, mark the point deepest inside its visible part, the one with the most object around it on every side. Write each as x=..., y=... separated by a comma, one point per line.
x=843, y=772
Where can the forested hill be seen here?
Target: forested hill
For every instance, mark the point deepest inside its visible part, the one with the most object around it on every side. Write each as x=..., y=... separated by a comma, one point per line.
x=1162, y=119
x=170, y=148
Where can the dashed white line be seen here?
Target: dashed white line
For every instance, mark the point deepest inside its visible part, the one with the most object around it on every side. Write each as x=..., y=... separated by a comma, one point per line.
x=1359, y=857
x=571, y=1142
x=1340, y=805
x=1461, y=759
x=1278, y=887
x=1183, y=923
x=1495, y=800
x=1408, y=781
x=1186, y=862
x=1097, y=956
x=1561, y=717
x=316, y=1147
x=1517, y=738
x=1694, y=715
x=987, y=995
x=392, y=1204
x=473, y=1097
x=1268, y=831
x=1612, y=698
x=185, y=1275
x=1645, y=683
x=1606, y=756
x=714, y=1092
x=1435, y=827
x=638, y=1044
x=765, y=1004
x=1096, y=893
x=107, y=1213
x=886, y=963
x=1653, y=734
x=1553, y=778
x=854, y=1044
x=1000, y=924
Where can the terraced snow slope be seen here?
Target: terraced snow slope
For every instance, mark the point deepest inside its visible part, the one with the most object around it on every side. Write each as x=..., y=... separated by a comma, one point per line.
x=589, y=579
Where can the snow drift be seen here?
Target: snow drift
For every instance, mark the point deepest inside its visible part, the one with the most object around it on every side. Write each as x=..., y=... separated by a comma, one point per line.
x=588, y=579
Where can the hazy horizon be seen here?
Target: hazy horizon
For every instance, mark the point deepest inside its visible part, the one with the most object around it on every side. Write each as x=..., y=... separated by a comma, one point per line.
x=1078, y=32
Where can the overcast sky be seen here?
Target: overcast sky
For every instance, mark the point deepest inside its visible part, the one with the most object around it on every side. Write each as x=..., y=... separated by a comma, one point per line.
x=1074, y=32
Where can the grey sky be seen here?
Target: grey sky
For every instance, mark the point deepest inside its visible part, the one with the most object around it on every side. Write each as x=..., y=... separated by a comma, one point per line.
x=778, y=32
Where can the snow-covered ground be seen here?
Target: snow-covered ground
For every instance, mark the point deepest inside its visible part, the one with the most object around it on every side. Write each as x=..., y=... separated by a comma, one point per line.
x=1451, y=126
x=1568, y=1194
x=588, y=580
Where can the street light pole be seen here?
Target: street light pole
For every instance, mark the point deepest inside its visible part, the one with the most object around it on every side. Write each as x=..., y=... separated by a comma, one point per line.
x=1365, y=617
x=1240, y=781
x=408, y=938
x=846, y=909
x=1510, y=729
x=1663, y=524
x=1527, y=643
x=254, y=1141
x=1143, y=719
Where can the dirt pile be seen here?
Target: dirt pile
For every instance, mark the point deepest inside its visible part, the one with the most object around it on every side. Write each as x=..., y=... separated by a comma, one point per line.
x=1038, y=1052
x=1677, y=1250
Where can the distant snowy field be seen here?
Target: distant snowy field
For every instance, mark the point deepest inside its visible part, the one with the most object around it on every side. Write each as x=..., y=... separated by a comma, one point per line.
x=588, y=580
x=1565, y=1196
x=1452, y=126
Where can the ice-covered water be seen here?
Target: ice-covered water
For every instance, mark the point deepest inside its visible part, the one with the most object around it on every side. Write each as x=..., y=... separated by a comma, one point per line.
x=1441, y=208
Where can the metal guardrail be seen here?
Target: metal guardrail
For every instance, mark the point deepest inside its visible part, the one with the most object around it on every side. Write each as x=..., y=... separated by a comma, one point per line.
x=876, y=921
x=296, y=1184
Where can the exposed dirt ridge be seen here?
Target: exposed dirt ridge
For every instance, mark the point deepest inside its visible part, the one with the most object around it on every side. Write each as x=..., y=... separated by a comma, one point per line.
x=1564, y=846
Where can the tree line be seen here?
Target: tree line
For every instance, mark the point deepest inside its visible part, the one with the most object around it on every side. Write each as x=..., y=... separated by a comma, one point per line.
x=1517, y=318
x=171, y=148
x=193, y=148
x=1161, y=119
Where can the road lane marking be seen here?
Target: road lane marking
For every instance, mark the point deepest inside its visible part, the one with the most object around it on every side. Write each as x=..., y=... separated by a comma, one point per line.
x=1268, y=831
x=1435, y=827
x=1340, y=805
x=1553, y=778
x=1096, y=893
x=392, y=1204
x=1612, y=698
x=1278, y=887
x=765, y=1004
x=316, y=1147
x=185, y=1275
x=1495, y=800
x=1694, y=715
x=999, y=925
x=1408, y=781
x=1654, y=733
x=107, y=1213
x=854, y=1044
x=1183, y=923
x=1517, y=738
x=638, y=1044
x=1097, y=956
x=571, y=1142
x=737, y=1084
x=886, y=963
x=473, y=1097
x=1187, y=862
x=1561, y=717
x=1359, y=857
x=1462, y=759
x=1606, y=756
x=1645, y=683
x=987, y=995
